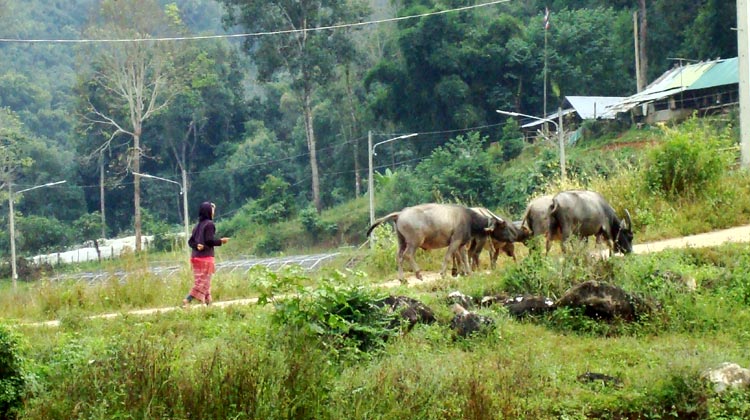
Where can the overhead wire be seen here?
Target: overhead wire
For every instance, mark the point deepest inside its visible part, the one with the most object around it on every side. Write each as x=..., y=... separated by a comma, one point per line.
x=248, y=35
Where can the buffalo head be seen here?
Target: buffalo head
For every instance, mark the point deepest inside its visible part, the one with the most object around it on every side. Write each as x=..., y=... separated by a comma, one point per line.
x=624, y=237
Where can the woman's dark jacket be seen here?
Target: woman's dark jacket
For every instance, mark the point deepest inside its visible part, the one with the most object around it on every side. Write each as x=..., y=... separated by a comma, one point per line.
x=203, y=233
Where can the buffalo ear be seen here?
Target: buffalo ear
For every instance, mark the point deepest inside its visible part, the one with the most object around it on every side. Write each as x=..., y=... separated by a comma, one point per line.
x=491, y=224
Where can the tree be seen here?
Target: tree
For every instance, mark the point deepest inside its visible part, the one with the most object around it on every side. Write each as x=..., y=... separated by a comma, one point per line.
x=136, y=78
x=11, y=140
x=642, y=44
x=303, y=54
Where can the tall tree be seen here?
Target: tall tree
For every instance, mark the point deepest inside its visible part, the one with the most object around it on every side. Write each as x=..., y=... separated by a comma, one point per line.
x=11, y=137
x=642, y=43
x=137, y=78
x=303, y=54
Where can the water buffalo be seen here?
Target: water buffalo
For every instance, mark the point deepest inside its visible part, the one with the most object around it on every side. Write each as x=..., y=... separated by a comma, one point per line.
x=587, y=213
x=536, y=217
x=433, y=226
x=501, y=238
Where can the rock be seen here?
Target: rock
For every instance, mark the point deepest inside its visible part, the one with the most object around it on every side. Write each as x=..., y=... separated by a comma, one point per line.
x=728, y=375
x=491, y=300
x=521, y=306
x=604, y=301
x=461, y=299
x=409, y=309
x=466, y=323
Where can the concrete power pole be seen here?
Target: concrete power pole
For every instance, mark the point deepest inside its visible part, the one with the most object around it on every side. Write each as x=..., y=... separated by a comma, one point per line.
x=743, y=43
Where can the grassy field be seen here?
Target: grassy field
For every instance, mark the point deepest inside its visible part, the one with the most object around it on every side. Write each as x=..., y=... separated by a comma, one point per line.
x=317, y=347
x=287, y=358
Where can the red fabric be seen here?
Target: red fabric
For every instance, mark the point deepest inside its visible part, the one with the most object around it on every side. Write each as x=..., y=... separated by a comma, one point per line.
x=203, y=268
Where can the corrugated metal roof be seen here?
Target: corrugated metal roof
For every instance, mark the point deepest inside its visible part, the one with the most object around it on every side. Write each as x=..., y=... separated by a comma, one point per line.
x=724, y=72
x=673, y=81
x=592, y=107
x=687, y=75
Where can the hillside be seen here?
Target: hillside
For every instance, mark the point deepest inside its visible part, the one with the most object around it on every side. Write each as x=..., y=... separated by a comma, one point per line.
x=610, y=162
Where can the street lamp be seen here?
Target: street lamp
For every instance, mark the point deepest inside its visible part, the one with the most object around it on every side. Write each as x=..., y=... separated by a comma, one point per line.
x=183, y=193
x=558, y=126
x=12, y=223
x=370, y=182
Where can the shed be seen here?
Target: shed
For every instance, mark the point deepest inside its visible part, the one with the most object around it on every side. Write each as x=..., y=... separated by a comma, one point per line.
x=682, y=90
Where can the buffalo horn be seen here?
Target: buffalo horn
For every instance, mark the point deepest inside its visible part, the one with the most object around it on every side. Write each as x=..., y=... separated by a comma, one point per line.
x=499, y=219
x=629, y=221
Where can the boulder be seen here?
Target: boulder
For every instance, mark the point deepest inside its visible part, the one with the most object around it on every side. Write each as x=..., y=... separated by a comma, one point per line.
x=466, y=323
x=460, y=298
x=521, y=306
x=604, y=301
x=409, y=310
x=728, y=375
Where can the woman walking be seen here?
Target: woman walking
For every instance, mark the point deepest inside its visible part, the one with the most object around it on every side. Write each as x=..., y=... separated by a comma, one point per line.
x=202, y=242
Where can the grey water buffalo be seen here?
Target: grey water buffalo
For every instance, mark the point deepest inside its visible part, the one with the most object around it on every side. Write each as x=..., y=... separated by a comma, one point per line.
x=434, y=226
x=536, y=217
x=587, y=213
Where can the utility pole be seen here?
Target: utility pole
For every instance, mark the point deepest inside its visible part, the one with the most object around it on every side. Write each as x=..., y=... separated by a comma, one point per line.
x=12, y=223
x=185, y=217
x=370, y=181
x=639, y=85
x=743, y=57
x=561, y=139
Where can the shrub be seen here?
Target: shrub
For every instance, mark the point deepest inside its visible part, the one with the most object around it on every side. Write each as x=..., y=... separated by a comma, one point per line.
x=13, y=378
x=313, y=224
x=36, y=233
x=461, y=170
x=692, y=158
x=268, y=244
x=344, y=316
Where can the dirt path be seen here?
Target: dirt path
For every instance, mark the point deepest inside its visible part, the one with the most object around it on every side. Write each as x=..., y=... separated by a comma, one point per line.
x=736, y=234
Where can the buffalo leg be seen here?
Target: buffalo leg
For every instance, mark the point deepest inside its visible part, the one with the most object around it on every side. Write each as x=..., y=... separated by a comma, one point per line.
x=475, y=250
x=494, y=253
x=454, y=247
x=409, y=253
x=400, y=257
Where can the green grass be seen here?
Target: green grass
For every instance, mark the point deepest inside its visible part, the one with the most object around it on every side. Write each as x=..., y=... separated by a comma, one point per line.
x=292, y=358
x=239, y=362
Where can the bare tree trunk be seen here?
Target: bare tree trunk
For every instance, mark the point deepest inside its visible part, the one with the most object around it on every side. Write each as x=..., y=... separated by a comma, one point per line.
x=642, y=36
x=355, y=129
x=310, y=132
x=137, y=187
x=102, y=205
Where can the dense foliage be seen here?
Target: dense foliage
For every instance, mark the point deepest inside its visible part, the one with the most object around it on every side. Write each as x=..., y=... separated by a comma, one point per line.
x=243, y=110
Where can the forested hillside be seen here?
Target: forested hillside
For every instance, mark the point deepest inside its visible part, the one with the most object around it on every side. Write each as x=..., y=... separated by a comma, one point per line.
x=276, y=123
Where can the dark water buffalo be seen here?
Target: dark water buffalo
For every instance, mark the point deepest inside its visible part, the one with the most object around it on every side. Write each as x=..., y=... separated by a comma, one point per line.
x=587, y=213
x=433, y=226
x=501, y=238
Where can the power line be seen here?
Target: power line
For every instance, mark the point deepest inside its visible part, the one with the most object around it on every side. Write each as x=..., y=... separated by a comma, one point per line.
x=247, y=35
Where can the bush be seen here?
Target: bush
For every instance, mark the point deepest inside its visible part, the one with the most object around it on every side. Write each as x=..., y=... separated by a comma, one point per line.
x=268, y=244
x=343, y=315
x=692, y=158
x=36, y=233
x=461, y=171
x=13, y=378
x=313, y=224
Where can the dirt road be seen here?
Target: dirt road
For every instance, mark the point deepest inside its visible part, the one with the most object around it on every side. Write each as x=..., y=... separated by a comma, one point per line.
x=736, y=234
